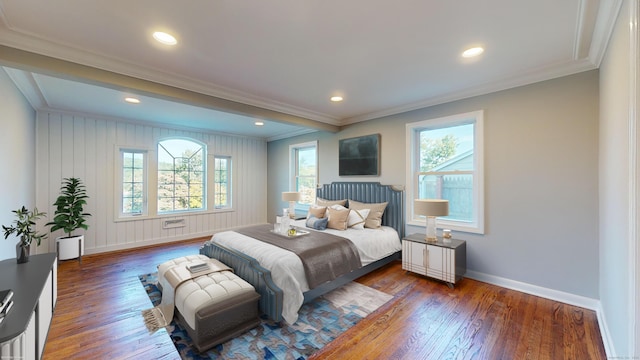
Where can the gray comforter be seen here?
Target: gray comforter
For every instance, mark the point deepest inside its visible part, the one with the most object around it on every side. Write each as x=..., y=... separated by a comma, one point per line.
x=324, y=256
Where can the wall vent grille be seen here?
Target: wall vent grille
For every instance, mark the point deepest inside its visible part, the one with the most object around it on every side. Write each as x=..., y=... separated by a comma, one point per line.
x=173, y=223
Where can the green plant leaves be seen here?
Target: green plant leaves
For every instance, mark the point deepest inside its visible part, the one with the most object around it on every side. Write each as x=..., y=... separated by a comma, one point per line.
x=69, y=213
x=23, y=226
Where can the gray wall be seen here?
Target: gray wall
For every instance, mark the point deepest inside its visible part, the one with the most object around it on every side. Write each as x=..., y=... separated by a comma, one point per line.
x=541, y=179
x=616, y=243
x=17, y=144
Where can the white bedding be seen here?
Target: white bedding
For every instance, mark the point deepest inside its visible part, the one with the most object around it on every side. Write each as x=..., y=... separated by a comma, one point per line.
x=286, y=268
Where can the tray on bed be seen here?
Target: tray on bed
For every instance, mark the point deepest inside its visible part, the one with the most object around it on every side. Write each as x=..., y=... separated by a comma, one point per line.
x=299, y=232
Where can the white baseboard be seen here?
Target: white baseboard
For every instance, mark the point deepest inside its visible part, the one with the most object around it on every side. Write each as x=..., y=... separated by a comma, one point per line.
x=128, y=246
x=606, y=334
x=567, y=298
x=164, y=240
x=561, y=296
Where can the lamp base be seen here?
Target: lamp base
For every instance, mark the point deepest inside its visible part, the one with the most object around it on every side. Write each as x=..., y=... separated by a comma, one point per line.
x=292, y=209
x=431, y=229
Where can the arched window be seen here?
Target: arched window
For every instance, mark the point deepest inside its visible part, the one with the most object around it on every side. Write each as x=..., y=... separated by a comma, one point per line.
x=181, y=175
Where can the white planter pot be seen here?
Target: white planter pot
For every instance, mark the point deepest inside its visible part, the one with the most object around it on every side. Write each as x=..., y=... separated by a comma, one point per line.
x=70, y=247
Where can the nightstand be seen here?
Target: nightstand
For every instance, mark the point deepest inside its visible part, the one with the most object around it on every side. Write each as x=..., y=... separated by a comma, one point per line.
x=439, y=260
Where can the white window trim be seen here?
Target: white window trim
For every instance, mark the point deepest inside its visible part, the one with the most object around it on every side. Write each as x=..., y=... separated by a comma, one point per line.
x=412, y=132
x=292, y=167
x=118, y=180
x=229, y=185
x=205, y=192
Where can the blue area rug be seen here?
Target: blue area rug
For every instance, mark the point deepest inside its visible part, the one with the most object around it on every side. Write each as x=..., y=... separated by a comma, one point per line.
x=319, y=322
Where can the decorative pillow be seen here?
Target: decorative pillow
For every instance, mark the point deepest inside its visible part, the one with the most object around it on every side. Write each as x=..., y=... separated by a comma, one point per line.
x=338, y=218
x=317, y=211
x=374, y=219
x=323, y=202
x=357, y=218
x=317, y=224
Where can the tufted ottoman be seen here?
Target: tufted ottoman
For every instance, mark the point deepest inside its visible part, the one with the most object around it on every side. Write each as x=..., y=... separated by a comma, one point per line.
x=214, y=307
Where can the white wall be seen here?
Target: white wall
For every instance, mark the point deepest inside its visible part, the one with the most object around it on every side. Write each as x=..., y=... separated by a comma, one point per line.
x=77, y=145
x=17, y=144
x=541, y=182
x=616, y=244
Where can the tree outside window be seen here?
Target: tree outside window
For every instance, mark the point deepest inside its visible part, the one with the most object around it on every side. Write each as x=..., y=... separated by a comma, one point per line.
x=446, y=168
x=222, y=182
x=181, y=175
x=133, y=201
x=447, y=163
x=303, y=161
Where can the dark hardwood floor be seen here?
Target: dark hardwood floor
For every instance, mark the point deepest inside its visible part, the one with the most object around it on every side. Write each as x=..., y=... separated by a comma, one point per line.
x=97, y=316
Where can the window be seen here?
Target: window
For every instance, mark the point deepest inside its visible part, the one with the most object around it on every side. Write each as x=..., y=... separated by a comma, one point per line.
x=447, y=163
x=222, y=182
x=303, y=161
x=181, y=175
x=133, y=182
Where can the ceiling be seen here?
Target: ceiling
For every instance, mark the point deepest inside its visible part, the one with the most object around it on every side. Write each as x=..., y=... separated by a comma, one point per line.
x=280, y=61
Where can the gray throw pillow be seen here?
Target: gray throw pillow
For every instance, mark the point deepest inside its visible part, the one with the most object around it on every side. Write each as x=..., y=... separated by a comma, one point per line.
x=317, y=224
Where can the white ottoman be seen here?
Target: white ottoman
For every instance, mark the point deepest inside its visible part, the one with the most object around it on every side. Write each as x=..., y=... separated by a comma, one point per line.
x=215, y=307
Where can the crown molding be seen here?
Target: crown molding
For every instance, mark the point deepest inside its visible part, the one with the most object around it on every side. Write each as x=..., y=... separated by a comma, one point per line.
x=61, y=51
x=585, y=20
x=28, y=86
x=29, y=61
x=151, y=124
x=547, y=73
x=290, y=134
x=605, y=23
x=588, y=52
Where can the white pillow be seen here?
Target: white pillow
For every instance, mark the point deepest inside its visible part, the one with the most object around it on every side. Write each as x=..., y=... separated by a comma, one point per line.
x=374, y=219
x=357, y=218
x=337, y=207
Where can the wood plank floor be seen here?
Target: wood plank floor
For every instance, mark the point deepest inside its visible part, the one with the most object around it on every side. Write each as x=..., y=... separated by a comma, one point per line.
x=97, y=316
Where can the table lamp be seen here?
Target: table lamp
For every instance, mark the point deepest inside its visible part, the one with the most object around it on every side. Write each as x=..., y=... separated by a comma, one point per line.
x=431, y=208
x=292, y=197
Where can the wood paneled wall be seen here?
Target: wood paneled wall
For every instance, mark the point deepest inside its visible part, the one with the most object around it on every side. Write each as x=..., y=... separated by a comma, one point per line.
x=78, y=145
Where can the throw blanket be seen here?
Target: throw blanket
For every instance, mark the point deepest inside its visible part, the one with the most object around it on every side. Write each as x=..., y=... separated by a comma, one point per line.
x=161, y=315
x=324, y=256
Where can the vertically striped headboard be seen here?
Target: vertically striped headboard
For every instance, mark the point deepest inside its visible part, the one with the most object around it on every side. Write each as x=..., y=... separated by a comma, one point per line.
x=370, y=192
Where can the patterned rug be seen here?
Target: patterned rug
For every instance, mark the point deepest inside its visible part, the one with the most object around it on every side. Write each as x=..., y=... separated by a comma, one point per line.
x=319, y=322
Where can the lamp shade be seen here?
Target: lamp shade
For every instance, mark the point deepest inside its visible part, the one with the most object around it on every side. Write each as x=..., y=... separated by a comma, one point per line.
x=290, y=196
x=431, y=207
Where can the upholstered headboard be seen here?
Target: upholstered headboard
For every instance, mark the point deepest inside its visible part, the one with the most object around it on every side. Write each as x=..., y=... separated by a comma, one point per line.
x=370, y=192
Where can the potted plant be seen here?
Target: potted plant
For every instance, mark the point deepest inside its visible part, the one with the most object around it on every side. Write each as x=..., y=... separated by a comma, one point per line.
x=23, y=227
x=69, y=216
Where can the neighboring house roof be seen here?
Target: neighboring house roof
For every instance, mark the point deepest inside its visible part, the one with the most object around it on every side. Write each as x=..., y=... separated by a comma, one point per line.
x=462, y=161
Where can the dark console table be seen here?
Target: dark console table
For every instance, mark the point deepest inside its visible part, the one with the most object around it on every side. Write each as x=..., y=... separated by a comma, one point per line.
x=25, y=327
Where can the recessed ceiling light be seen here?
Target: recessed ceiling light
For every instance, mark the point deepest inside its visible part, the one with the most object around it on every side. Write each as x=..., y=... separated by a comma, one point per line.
x=336, y=98
x=259, y=123
x=132, y=100
x=165, y=38
x=474, y=51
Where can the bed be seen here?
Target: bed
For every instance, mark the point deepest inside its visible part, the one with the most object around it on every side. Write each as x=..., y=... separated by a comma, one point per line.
x=281, y=299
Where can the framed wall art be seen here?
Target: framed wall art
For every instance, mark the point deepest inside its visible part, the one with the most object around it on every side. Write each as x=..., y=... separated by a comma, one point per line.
x=359, y=156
